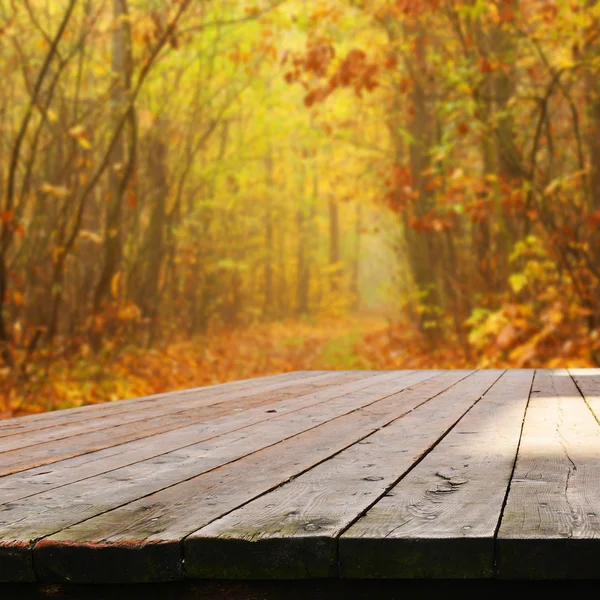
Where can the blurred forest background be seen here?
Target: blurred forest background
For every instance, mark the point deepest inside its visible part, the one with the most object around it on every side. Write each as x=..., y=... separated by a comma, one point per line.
x=193, y=191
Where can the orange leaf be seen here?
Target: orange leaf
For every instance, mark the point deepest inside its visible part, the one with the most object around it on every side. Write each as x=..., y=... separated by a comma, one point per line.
x=114, y=285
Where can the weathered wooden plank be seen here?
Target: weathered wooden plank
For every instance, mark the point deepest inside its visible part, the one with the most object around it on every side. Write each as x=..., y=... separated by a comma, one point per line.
x=588, y=383
x=551, y=523
x=23, y=522
x=292, y=532
x=157, y=441
x=439, y=521
x=54, y=451
x=177, y=410
x=31, y=428
x=159, y=521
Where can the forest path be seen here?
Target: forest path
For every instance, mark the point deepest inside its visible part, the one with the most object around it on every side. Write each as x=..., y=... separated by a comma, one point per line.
x=336, y=345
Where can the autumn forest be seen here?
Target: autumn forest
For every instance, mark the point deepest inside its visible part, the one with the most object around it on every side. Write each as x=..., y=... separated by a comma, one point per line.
x=194, y=191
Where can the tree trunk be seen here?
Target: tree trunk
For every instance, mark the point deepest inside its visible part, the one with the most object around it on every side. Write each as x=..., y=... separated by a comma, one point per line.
x=421, y=245
x=119, y=172
x=149, y=299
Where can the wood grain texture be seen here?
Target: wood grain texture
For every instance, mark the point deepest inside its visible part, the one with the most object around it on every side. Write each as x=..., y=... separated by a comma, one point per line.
x=44, y=514
x=292, y=532
x=32, y=481
x=166, y=517
x=440, y=520
x=59, y=450
x=551, y=523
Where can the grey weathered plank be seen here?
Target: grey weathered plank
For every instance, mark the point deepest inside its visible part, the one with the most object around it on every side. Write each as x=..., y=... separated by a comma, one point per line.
x=440, y=520
x=157, y=441
x=178, y=410
x=588, y=383
x=62, y=424
x=159, y=521
x=23, y=522
x=292, y=531
x=551, y=523
x=50, y=452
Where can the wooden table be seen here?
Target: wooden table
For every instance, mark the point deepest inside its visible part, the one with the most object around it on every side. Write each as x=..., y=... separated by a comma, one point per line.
x=311, y=475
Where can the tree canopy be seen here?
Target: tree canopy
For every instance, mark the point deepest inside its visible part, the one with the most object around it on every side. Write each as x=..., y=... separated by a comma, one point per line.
x=194, y=170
